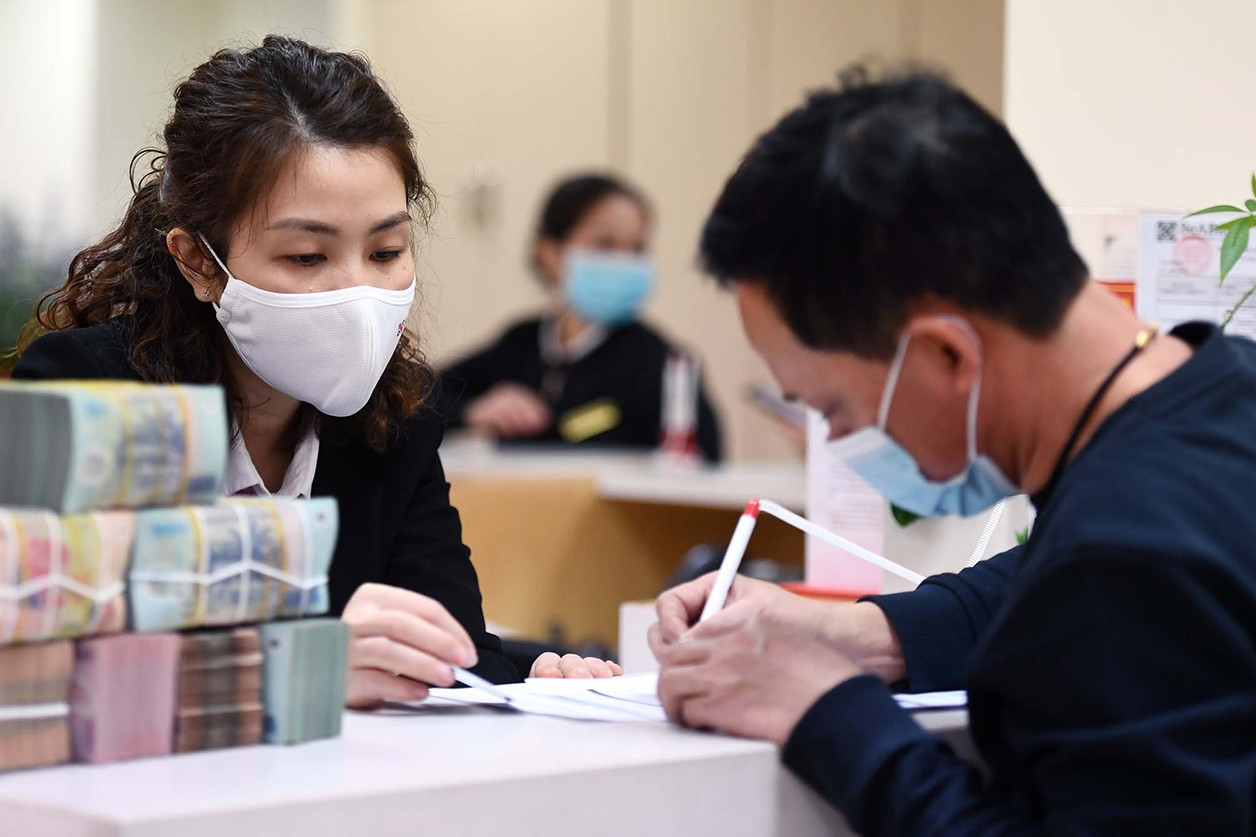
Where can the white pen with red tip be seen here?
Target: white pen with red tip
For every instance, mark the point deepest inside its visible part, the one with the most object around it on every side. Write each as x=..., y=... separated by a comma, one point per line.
x=732, y=561
x=741, y=539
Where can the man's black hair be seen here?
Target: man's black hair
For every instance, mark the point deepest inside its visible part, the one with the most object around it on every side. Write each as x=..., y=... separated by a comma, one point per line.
x=878, y=194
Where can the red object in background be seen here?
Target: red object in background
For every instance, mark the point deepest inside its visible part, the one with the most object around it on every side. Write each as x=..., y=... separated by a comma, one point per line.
x=1122, y=289
x=811, y=591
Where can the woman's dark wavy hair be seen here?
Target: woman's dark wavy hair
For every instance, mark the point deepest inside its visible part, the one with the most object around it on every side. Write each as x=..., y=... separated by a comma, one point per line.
x=238, y=120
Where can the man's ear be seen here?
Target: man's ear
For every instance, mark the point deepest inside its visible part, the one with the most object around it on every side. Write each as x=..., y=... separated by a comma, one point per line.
x=951, y=345
x=196, y=265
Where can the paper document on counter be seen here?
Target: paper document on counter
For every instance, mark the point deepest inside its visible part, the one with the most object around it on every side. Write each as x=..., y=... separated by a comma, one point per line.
x=632, y=697
x=626, y=698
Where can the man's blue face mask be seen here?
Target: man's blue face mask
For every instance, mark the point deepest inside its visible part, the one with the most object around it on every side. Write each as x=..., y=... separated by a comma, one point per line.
x=891, y=470
x=607, y=288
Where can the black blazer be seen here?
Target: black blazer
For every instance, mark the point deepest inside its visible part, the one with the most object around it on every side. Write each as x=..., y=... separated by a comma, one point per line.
x=396, y=524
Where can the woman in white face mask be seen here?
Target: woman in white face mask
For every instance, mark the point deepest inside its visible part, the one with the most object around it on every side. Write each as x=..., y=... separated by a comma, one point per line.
x=268, y=249
x=588, y=370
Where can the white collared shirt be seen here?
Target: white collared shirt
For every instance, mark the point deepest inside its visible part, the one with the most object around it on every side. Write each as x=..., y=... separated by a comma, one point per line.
x=243, y=479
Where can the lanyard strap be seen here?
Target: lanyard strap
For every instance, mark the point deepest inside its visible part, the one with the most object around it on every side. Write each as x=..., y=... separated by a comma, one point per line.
x=1140, y=343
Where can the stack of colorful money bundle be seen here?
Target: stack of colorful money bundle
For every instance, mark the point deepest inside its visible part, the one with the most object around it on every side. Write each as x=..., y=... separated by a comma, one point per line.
x=219, y=690
x=34, y=704
x=96, y=537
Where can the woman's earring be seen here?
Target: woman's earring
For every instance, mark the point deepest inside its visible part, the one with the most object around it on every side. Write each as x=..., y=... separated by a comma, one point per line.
x=205, y=294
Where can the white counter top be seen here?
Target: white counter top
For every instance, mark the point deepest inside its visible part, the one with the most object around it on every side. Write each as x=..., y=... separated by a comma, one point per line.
x=439, y=770
x=633, y=477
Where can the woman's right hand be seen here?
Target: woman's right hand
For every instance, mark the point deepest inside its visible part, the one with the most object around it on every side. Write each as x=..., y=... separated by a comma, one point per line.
x=508, y=411
x=400, y=642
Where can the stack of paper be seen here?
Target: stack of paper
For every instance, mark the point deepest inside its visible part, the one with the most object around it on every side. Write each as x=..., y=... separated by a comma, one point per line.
x=62, y=576
x=239, y=561
x=123, y=700
x=219, y=690
x=304, y=672
x=74, y=447
x=34, y=710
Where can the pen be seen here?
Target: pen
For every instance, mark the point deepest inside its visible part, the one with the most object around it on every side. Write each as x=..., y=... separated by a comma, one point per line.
x=732, y=561
x=741, y=538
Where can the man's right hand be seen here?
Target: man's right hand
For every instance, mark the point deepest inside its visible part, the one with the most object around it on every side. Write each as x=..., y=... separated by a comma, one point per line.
x=860, y=631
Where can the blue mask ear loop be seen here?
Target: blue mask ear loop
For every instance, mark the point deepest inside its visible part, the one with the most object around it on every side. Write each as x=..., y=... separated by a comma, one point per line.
x=974, y=397
x=891, y=381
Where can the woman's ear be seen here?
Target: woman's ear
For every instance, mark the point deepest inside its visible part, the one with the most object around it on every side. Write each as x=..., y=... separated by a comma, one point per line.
x=197, y=267
x=547, y=255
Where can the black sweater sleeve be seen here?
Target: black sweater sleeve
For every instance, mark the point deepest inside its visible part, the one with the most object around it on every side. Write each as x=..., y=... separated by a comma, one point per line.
x=940, y=622
x=1119, y=725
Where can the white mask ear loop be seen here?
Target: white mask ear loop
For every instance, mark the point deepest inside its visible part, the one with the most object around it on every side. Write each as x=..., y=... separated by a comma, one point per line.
x=215, y=255
x=891, y=380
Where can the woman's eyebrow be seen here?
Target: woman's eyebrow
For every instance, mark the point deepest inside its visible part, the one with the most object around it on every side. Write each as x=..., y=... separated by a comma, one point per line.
x=394, y=220
x=322, y=228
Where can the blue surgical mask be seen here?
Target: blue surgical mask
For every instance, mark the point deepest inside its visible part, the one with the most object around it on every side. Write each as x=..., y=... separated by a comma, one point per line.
x=607, y=288
x=890, y=469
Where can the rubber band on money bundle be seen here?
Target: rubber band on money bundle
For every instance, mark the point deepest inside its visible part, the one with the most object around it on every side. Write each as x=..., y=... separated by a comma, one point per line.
x=34, y=711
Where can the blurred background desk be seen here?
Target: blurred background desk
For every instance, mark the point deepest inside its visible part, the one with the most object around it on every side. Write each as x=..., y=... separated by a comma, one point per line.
x=562, y=538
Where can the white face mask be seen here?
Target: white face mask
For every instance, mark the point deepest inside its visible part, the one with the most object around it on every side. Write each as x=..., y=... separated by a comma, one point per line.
x=327, y=349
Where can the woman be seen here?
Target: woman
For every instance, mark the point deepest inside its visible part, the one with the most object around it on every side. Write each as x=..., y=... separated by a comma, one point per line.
x=268, y=249
x=588, y=371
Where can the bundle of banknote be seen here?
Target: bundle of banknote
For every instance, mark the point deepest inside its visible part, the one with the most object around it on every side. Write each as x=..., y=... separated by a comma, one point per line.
x=219, y=690
x=62, y=576
x=78, y=446
x=34, y=710
x=239, y=561
x=303, y=679
x=122, y=704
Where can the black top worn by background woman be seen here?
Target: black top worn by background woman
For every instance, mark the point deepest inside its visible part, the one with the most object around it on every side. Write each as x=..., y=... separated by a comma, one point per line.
x=624, y=370
x=396, y=524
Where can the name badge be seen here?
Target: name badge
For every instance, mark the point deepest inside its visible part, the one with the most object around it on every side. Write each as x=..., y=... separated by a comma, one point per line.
x=589, y=420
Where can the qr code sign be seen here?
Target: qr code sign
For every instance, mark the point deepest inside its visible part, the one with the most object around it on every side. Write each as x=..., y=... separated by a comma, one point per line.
x=1166, y=231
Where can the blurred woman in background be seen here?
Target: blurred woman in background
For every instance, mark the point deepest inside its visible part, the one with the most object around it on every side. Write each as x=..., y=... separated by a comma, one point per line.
x=586, y=371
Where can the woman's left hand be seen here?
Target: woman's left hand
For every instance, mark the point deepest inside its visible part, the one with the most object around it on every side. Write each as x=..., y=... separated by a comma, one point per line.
x=550, y=664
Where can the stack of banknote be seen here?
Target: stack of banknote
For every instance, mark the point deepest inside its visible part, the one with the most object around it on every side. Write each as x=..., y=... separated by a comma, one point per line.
x=62, y=576
x=79, y=446
x=34, y=711
x=219, y=690
x=239, y=561
x=303, y=686
x=122, y=705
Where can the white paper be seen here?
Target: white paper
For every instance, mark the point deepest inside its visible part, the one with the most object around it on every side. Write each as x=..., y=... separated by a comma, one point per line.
x=933, y=700
x=627, y=698
x=840, y=501
x=1179, y=264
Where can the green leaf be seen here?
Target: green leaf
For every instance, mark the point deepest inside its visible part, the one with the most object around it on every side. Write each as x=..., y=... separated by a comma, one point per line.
x=1251, y=205
x=1224, y=207
x=1234, y=244
x=1231, y=223
x=1254, y=184
x=1022, y=536
x=903, y=517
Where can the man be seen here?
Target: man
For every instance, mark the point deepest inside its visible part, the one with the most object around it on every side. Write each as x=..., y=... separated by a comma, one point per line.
x=900, y=268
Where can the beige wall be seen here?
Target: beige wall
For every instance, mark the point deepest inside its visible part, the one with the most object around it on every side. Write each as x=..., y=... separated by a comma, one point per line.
x=508, y=95
x=1134, y=103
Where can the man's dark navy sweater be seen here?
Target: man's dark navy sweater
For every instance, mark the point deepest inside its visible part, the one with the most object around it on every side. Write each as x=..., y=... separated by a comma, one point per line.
x=1110, y=662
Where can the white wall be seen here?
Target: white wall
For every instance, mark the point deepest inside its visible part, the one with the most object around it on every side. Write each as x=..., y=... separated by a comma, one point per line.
x=48, y=114
x=1134, y=103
